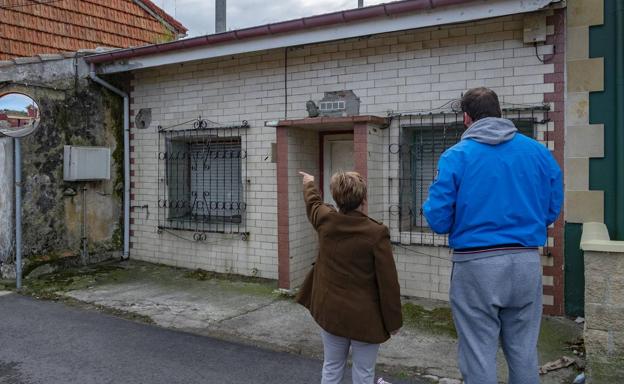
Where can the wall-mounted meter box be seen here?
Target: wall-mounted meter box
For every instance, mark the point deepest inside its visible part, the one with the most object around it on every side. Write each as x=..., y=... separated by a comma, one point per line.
x=86, y=163
x=535, y=29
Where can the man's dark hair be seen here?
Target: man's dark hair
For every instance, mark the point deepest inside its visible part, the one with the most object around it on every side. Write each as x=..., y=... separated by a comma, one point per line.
x=479, y=103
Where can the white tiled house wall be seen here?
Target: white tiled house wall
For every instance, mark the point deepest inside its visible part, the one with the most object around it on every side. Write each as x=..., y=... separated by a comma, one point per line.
x=421, y=70
x=405, y=71
x=247, y=87
x=302, y=155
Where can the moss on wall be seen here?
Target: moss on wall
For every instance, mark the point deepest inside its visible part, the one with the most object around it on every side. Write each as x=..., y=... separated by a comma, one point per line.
x=114, y=109
x=52, y=211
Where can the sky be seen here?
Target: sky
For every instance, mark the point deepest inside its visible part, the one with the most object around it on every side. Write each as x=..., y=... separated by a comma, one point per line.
x=198, y=15
x=15, y=102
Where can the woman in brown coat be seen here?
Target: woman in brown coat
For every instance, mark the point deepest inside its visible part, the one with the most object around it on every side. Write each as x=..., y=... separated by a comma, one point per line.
x=353, y=290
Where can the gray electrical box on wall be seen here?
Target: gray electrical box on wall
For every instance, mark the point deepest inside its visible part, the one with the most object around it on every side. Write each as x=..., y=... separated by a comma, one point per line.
x=535, y=28
x=86, y=163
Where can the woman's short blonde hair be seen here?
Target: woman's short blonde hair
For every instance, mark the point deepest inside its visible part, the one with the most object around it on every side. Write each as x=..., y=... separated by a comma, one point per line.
x=348, y=190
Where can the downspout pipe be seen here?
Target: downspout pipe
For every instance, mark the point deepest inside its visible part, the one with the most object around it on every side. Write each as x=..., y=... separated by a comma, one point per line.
x=126, y=144
x=619, y=119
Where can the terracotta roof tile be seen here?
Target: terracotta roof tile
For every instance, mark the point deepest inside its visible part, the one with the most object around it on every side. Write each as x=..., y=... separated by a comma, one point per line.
x=176, y=24
x=68, y=25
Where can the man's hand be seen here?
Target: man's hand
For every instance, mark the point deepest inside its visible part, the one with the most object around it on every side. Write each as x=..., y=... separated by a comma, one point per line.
x=307, y=178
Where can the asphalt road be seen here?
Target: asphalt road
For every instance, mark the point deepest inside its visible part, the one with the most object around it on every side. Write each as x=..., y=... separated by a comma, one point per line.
x=45, y=342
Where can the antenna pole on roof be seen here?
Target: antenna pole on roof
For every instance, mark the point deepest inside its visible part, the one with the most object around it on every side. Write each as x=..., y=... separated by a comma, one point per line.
x=220, y=25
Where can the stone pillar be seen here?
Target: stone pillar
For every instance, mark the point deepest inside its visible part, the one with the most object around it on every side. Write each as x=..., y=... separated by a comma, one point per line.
x=7, y=232
x=604, y=305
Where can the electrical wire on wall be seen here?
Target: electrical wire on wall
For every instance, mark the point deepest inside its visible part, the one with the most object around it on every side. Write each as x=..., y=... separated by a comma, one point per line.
x=286, y=83
x=543, y=60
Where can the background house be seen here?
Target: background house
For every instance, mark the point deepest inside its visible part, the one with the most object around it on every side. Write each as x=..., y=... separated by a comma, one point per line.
x=222, y=192
x=31, y=27
x=38, y=58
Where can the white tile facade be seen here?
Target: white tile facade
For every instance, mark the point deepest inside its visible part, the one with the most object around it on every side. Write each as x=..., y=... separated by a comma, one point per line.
x=396, y=72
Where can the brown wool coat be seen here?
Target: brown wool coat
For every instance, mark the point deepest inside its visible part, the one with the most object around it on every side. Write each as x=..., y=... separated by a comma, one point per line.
x=353, y=289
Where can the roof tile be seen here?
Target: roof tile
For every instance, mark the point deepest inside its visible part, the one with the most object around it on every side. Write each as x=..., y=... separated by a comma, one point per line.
x=73, y=24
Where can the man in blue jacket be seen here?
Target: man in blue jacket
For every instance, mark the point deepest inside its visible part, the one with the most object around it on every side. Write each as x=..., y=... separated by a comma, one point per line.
x=495, y=194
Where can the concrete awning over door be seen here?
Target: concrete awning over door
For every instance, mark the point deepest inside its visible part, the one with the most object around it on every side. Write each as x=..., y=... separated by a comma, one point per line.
x=324, y=123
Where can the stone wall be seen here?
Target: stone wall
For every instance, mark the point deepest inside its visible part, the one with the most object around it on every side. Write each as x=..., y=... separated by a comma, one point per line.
x=73, y=111
x=604, y=305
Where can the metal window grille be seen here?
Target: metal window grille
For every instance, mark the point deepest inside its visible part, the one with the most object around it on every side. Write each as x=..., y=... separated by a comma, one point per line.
x=422, y=140
x=201, y=178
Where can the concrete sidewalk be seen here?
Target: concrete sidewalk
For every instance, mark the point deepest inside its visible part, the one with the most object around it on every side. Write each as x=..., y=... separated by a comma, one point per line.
x=251, y=311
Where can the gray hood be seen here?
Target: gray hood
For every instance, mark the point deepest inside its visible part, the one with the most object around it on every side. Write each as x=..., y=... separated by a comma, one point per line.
x=491, y=130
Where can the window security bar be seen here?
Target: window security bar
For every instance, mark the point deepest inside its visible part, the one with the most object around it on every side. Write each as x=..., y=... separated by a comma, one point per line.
x=202, y=169
x=422, y=139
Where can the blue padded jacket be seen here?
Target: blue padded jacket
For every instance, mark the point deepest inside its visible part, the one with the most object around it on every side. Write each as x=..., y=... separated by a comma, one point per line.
x=495, y=187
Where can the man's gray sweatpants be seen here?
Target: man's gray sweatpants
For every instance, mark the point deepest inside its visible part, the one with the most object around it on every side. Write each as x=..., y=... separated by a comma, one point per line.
x=492, y=298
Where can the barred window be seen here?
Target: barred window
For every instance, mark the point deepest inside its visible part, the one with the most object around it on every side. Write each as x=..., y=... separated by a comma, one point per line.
x=423, y=139
x=203, y=176
x=216, y=179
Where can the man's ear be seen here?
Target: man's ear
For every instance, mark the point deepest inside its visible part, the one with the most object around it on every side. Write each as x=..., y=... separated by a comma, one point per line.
x=467, y=120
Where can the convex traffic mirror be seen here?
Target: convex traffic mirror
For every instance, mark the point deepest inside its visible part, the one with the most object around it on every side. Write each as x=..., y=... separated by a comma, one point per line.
x=19, y=115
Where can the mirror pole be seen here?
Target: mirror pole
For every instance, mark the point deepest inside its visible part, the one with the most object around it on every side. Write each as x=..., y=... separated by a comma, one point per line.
x=18, y=213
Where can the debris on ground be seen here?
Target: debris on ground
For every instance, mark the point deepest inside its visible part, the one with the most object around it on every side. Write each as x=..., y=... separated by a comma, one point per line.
x=562, y=362
x=580, y=379
x=579, y=320
x=577, y=347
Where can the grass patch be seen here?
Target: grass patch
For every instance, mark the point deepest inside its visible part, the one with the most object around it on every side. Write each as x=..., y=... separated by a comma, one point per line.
x=559, y=337
x=437, y=320
x=203, y=275
x=48, y=286
x=243, y=284
x=53, y=285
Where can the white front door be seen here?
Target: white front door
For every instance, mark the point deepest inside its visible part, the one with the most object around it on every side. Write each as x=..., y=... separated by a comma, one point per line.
x=337, y=156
